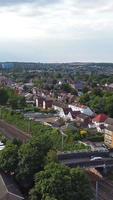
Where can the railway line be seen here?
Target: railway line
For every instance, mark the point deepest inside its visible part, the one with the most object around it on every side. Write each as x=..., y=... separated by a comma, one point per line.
x=12, y=132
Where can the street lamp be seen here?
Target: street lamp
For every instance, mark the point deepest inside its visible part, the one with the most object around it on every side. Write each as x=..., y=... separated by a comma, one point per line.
x=96, y=190
x=0, y=112
x=29, y=125
x=63, y=134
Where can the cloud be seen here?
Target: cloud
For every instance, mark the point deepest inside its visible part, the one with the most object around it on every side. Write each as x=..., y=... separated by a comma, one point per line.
x=53, y=21
x=63, y=19
x=16, y=2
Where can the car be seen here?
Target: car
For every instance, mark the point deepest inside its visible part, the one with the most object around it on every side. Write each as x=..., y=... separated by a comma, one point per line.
x=96, y=158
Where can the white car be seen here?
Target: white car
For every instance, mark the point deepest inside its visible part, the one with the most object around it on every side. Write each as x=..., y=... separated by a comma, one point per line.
x=96, y=158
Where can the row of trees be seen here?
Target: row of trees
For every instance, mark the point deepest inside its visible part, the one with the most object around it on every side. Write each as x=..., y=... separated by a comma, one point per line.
x=24, y=160
x=36, y=169
x=37, y=129
x=99, y=101
x=8, y=96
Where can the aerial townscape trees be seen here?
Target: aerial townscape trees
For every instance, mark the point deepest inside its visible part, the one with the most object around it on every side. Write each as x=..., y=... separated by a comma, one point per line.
x=37, y=160
x=61, y=183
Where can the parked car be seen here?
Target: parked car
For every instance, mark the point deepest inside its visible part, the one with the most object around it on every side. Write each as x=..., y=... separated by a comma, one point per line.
x=96, y=158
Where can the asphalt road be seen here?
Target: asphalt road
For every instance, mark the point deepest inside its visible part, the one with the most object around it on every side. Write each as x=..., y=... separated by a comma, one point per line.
x=81, y=160
x=12, y=132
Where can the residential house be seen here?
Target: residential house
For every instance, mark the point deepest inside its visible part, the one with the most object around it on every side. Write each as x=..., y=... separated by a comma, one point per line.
x=79, y=85
x=109, y=87
x=99, y=120
x=58, y=106
x=65, y=113
x=108, y=121
x=8, y=188
x=108, y=136
x=83, y=120
x=82, y=108
x=72, y=115
x=44, y=103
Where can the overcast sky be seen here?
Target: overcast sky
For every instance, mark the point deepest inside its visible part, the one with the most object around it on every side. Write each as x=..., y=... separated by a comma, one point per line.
x=56, y=30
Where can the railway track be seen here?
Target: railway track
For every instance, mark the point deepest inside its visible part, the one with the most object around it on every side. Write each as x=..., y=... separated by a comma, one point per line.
x=12, y=132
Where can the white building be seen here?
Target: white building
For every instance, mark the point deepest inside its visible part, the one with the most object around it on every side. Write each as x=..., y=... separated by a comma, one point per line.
x=83, y=109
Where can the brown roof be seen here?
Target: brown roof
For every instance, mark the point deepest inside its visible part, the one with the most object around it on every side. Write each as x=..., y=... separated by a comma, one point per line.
x=59, y=104
x=109, y=128
x=8, y=188
x=109, y=121
x=74, y=114
x=67, y=110
x=83, y=116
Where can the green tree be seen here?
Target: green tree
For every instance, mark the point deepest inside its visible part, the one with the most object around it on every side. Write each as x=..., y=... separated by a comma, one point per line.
x=13, y=101
x=9, y=157
x=21, y=102
x=109, y=106
x=3, y=96
x=31, y=159
x=61, y=183
x=84, y=99
x=51, y=156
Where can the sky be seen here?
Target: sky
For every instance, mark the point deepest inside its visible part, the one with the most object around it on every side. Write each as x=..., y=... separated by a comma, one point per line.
x=56, y=30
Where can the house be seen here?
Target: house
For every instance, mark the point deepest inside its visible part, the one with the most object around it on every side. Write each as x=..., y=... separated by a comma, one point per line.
x=101, y=128
x=79, y=86
x=44, y=103
x=82, y=120
x=108, y=136
x=47, y=104
x=8, y=188
x=60, y=108
x=82, y=108
x=99, y=119
x=108, y=121
x=3, y=80
x=65, y=113
x=72, y=115
x=98, y=122
x=109, y=87
x=66, y=98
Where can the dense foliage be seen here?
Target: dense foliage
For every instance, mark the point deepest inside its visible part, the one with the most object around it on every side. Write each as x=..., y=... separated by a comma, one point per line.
x=37, y=129
x=60, y=183
x=31, y=158
x=99, y=101
x=9, y=157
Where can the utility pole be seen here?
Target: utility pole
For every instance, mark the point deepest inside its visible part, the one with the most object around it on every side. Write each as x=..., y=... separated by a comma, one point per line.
x=63, y=135
x=0, y=112
x=29, y=126
x=96, y=190
x=62, y=142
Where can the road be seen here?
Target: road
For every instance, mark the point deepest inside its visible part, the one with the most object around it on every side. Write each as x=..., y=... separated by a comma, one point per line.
x=86, y=162
x=12, y=132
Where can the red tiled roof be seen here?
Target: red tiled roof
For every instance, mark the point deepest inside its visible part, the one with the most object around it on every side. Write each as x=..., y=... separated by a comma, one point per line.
x=100, y=118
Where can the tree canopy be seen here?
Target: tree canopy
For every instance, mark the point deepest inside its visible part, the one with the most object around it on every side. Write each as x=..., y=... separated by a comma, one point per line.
x=9, y=157
x=31, y=158
x=58, y=182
